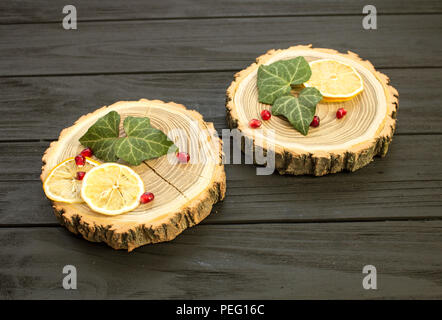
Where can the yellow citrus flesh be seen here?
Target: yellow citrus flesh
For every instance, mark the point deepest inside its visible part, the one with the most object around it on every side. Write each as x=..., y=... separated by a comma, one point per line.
x=335, y=80
x=112, y=189
x=62, y=185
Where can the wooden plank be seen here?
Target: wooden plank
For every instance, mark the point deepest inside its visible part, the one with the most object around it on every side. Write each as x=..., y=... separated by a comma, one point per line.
x=405, y=184
x=26, y=11
x=278, y=261
x=52, y=103
x=217, y=44
x=40, y=107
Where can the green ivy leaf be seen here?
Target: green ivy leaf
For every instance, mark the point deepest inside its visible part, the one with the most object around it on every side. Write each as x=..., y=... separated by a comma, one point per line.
x=298, y=111
x=142, y=142
x=276, y=79
x=102, y=136
x=310, y=97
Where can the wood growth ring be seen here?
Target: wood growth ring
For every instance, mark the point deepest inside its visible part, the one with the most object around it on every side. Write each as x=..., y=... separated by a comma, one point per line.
x=337, y=144
x=184, y=193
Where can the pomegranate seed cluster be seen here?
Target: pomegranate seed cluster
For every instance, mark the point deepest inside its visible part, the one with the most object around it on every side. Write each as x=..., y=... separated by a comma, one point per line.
x=80, y=161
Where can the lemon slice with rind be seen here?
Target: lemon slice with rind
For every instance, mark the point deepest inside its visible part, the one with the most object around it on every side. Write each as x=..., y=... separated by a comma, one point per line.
x=62, y=184
x=335, y=80
x=112, y=189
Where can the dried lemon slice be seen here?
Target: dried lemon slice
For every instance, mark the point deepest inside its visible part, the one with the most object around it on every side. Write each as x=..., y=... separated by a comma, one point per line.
x=62, y=184
x=335, y=80
x=112, y=189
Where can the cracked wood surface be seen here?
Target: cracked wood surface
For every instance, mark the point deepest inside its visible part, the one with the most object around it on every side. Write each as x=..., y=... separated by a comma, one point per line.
x=407, y=183
x=184, y=193
x=299, y=237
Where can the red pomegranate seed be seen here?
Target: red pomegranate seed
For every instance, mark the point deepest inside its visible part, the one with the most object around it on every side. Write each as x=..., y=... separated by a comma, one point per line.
x=183, y=157
x=80, y=175
x=254, y=123
x=80, y=160
x=266, y=115
x=341, y=113
x=147, y=197
x=87, y=152
x=315, y=122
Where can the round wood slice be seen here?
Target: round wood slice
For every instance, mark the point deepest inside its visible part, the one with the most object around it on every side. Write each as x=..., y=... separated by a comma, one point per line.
x=337, y=144
x=184, y=193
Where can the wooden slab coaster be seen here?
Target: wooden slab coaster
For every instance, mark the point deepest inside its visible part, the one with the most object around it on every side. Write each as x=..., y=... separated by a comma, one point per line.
x=184, y=193
x=345, y=144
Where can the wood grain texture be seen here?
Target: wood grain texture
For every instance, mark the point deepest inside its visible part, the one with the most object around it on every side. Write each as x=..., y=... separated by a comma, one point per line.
x=335, y=146
x=405, y=184
x=219, y=44
x=184, y=193
x=272, y=261
x=268, y=260
x=26, y=11
x=53, y=103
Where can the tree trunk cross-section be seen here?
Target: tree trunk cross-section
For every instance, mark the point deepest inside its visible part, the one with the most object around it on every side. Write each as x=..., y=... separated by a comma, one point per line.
x=336, y=145
x=184, y=193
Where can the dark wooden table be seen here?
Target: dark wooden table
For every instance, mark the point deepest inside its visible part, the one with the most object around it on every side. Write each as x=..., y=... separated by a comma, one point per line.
x=276, y=237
